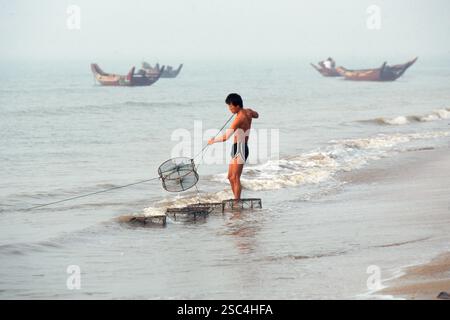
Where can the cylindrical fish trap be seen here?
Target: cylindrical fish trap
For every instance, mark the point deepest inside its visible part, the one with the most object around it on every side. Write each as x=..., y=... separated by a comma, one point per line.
x=178, y=174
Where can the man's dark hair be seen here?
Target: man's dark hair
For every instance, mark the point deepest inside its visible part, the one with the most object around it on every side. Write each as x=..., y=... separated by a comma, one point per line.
x=234, y=99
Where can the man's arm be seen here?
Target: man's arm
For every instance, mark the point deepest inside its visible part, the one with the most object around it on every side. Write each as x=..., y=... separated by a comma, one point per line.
x=228, y=133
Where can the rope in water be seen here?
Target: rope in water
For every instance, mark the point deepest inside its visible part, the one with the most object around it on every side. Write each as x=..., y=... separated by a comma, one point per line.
x=92, y=193
x=122, y=186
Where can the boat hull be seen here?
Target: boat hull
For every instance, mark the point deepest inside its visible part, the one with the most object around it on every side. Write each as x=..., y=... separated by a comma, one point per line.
x=171, y=73
x=129, y=80
x=384, y=73
x=168, y=71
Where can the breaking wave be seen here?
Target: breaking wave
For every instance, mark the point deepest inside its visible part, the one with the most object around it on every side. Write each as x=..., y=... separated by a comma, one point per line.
x=183, y=200
x=439, y=114
x=320, y=165
x=316, y=167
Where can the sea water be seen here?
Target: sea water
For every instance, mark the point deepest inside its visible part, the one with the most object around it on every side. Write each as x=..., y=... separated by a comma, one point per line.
x=62, y=135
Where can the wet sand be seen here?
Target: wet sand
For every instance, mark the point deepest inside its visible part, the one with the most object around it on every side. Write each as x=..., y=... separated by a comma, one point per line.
x=423, y=282
x=421, y=175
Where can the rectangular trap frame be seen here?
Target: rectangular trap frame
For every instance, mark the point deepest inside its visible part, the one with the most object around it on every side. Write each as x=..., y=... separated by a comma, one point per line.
x=249, y=203
x=211, y=206
x=192, y=212
x=187, y=213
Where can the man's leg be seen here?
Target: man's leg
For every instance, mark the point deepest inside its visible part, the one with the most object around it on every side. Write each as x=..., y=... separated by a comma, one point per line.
x=231, y=178
x=234, y=175
x=238, y=186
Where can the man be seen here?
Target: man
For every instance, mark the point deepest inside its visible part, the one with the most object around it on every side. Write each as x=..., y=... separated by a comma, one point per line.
x=329, y=63
x=241, y=129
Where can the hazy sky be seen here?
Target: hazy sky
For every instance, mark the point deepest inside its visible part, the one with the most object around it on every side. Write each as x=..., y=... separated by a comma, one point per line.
x=226, y=29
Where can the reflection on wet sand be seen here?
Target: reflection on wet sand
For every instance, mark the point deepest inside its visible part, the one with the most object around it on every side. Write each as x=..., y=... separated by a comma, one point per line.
x=243, y=226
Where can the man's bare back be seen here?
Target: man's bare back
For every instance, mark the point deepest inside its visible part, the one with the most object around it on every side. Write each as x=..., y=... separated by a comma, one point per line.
x=242, y=124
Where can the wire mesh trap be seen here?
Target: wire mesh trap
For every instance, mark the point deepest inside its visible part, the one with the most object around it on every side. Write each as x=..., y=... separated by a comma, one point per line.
x=211, y=206
x=249, y=203
x=178, y=174
x=188, y=213
x=193, y=211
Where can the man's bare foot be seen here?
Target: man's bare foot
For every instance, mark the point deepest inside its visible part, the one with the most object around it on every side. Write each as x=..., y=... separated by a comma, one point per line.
x=236, y=203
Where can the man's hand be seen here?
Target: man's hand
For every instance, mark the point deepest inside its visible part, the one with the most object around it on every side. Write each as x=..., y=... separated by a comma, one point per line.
x=223, y=138
x=253, y=113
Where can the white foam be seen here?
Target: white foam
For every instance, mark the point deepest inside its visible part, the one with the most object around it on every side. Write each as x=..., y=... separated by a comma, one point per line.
x=435, y=115
x=314, y=167
x=320, y=165
x=400, y=120
x=439, y=114
x=151, y=211
x=182, y=201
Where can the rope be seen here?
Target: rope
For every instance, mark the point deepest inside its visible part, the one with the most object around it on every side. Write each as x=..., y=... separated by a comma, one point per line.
x=92, y=193
x=126, y=185
x=207, y=145
x=198, y=194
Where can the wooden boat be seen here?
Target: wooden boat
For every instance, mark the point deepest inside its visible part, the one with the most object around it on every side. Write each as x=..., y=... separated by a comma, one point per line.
x=132, y=79
x=169, y=72
x=326, y=72
x=149, y=69
x=384, y=73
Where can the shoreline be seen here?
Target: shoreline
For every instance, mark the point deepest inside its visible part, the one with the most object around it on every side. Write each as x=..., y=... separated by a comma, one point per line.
x=429, y=281
x=419, y=178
